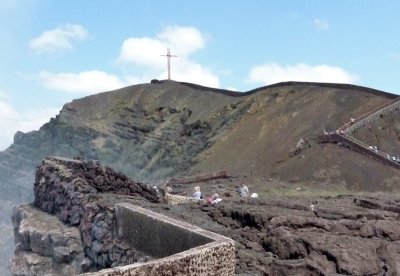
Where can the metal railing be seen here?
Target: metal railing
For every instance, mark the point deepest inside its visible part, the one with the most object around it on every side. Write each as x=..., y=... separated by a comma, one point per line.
x=370, y=116
x=361, y=147
x=343, y=134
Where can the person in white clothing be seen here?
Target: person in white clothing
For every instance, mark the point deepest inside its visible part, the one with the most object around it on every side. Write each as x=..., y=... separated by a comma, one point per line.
x=244, y=190
x=197, y=193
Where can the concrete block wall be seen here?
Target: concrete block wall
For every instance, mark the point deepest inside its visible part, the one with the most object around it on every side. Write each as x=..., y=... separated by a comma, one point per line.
x=182, y=249
x=155, y=234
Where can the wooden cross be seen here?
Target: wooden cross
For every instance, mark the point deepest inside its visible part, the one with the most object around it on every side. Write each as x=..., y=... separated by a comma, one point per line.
x=168, y=55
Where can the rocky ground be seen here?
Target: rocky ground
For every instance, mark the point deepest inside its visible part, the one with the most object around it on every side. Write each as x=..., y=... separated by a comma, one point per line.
x=344, y=235
x=347, y=235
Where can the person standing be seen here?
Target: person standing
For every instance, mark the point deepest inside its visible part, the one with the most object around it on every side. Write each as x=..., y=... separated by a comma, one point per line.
x=243, y=190
x=197, y=193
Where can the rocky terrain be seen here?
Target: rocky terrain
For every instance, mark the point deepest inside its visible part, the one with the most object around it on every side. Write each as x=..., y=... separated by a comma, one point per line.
x=345, y=235
x=351, y=235
x=81, y=195
x=162, y=129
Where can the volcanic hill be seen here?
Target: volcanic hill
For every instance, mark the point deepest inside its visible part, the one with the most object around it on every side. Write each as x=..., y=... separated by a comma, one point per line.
x=165, y=128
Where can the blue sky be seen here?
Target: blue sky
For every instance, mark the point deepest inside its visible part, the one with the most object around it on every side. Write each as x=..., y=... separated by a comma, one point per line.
x=54, y=51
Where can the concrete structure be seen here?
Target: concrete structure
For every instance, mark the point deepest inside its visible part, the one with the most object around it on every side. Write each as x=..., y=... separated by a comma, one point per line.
x=182, y=249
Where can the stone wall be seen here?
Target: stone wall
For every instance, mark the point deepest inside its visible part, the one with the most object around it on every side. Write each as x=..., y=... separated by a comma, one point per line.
x=77, y=224
x=44, y=245
x=205, y=253
x=83, y=194
x=61, y=184
x=155, y=234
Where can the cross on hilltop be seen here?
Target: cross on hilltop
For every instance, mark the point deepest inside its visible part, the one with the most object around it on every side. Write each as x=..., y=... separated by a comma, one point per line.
x=168, y=55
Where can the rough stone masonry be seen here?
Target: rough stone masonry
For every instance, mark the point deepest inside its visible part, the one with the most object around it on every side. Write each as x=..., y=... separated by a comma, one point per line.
x=72, y=228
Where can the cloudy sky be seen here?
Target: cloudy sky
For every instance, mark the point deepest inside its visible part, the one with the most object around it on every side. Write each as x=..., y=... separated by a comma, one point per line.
x=54, y=51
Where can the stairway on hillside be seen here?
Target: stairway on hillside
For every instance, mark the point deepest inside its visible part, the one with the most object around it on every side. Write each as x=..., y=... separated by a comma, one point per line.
x=370, y=116
x=343, y=134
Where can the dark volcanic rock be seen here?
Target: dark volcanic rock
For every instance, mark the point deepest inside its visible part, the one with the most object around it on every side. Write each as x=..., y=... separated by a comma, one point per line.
x=44, y=244
x=283, y=236
x=65, y=186
x=82, y=194
x=346, y=235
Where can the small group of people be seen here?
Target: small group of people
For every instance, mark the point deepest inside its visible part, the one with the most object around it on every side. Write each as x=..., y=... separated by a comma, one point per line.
x=393, y=158
x=325, y=132
x=243, y=191
x=388, y=156
x=374, y=148
x=341, y=132
x=197, y=195
x=215, y=198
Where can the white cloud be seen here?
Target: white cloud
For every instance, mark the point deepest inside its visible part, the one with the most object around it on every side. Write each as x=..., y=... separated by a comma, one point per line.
x=87, y=82
x=145, y=52
x=188, y=71
x=58, y=39
x=12, y=121
x=142, y=51
x=321, y=24
x=273, y=73
x=184, y=40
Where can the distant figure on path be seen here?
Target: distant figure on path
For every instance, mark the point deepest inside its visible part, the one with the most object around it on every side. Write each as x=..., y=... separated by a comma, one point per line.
x=197, y=193
x=243, y=190
x=300, y=143
x=312, y=207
